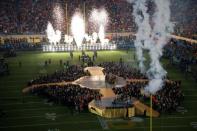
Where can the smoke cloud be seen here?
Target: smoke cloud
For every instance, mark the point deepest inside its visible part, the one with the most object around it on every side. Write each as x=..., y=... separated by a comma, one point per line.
x=144, y=30
x=152, y=37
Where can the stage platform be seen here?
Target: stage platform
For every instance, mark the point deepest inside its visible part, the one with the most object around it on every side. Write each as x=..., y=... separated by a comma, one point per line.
x=67, y=47
x=98, y=82
x=141, y=108
x=108, y=109
x=94, y=71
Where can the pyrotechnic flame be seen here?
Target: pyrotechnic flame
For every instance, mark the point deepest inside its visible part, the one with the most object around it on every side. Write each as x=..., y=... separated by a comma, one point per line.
x=78, y=28
x=53, y=36
x=100, y=20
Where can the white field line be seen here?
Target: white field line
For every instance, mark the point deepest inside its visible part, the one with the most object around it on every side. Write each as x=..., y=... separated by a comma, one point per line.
x=190, y=101
x=47, y=124
x=33, y=109
x=21, y=103
x=142, y=127
x=10, y=91
x=41, y=116
x=191, y=95
x=189, y=90
x=60, y=115
x=20, y=96
x=175, y=117
x=84, y=122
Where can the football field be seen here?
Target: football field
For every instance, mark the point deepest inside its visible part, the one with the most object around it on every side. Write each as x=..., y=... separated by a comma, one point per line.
x=32, y=113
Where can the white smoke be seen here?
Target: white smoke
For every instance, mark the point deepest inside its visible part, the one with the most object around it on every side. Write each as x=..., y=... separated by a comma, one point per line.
x=159, y=38
x=153, y=39
x=144, y=30
x=54, y=36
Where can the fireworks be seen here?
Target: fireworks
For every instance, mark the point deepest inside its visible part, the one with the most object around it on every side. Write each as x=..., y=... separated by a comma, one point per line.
x=58, y=17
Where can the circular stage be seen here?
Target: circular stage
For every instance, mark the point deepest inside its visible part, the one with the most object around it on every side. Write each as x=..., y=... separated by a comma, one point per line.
x=97, y=82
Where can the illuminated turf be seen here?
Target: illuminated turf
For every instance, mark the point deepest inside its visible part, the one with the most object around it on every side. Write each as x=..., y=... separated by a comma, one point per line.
x=37, y=114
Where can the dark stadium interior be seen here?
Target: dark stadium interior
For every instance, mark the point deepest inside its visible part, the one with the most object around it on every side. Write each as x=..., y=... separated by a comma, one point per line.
x=135, y=73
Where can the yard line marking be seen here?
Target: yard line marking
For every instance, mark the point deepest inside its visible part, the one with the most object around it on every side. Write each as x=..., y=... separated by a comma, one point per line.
x=40, y=116
x=20, y=96
x=189, y=89
x=7, y=91
x=12, y=81
x=21, y=103
x=175, y=126
x=77, y=122
x=33, y=109
x=176, y=117
x=191, y=95
x=189, y=101
x=169, y=117
x=10, y=85
x=139, y=127
x=59, y=123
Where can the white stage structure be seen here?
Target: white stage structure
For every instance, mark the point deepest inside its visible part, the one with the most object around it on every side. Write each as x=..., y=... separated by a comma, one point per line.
x=68, y=47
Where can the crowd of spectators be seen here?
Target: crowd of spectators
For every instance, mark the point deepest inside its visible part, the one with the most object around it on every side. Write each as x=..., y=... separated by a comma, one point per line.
x=183, y=54
x=132, y=89
x=123, y=70
x=123, y=42
x=32, y=16
x=184, y=17
x=169, y=97
x=18, y=44
x=72, y=73
x=70, y=95
x=110, y=78
x=180, y=49
x=165, y=100
x=21, y=44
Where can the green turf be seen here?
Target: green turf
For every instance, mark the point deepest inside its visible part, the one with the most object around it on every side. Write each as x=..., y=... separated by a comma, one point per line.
x=28, y=113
